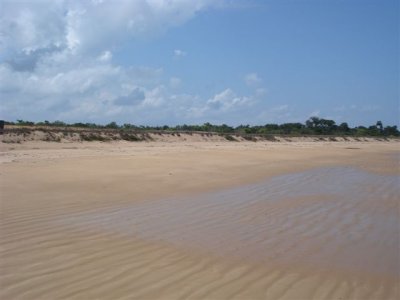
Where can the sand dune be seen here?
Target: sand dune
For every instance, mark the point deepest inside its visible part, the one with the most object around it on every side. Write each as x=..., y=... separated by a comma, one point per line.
x=200, y=221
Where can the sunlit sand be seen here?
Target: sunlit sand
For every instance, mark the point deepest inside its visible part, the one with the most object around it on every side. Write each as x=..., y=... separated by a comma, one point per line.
x=200, y=220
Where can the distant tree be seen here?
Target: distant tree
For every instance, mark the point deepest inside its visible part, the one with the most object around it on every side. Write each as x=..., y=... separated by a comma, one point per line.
x=249, y=130
x=373, y=130
x=344, y=127
x=379, y=125
x=313, y=122
x=289, y=128
x=361, y=131
x=313, y=125
x=225, y=128
x=58, y=123
x=206, y=127
x=112, y=125
x=391, y=131
x=25, y=123
x=241, y=128
x=321, y=126
x=79, y=124
x=127, y=126
x=271, y=126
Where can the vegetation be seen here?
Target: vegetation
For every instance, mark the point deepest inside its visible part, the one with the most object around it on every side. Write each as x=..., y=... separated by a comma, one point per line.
x=230, y=138
x=313, y=126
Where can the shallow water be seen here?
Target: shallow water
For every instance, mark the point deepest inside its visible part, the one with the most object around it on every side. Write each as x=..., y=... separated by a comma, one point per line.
x=339, y=218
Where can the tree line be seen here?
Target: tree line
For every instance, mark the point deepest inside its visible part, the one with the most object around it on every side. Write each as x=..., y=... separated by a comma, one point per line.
x=313, y=126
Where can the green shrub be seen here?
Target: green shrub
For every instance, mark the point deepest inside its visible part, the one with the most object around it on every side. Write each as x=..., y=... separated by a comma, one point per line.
x=130, y=137
x=250, y=138
x=230, y=138
x=90, y=137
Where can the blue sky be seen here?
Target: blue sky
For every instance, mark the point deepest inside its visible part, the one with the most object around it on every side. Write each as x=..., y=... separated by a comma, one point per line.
x=172, y=62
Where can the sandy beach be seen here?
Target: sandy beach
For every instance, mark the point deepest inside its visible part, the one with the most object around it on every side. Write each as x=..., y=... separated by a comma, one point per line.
x=197, y=219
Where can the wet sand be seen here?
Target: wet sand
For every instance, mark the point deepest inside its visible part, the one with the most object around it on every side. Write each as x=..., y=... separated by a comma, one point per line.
x=200, y=221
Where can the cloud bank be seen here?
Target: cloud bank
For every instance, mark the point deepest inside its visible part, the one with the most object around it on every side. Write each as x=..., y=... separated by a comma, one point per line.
x=57, y=62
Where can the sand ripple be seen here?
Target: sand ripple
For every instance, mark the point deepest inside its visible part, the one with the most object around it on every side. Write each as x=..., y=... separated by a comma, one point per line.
x=329, y=233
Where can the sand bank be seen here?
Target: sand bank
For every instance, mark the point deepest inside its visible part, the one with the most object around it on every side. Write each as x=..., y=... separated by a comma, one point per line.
x=53, y=248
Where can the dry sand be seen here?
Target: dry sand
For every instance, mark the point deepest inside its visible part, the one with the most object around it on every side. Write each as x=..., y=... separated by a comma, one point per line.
x=48, y=252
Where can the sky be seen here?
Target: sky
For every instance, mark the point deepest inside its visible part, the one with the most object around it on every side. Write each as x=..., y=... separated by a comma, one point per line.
x=168, y=62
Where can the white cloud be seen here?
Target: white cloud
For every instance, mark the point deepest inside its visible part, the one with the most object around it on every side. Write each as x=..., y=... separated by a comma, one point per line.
x=276, y=114
x=226, y=100
x=85, y=25
x=76, y=90
x=51, y=51
x=58, y=62
x=315, y=113
x=155, y=97
x=280, y=108
x=252, y=80
x=362, y=108
x=136, y=96
x=105, y=56
x=179, y=53
x=175, y=82
x=370, y=108
x=339, y=108
x=260, y=92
